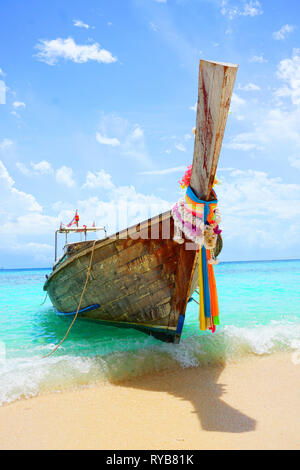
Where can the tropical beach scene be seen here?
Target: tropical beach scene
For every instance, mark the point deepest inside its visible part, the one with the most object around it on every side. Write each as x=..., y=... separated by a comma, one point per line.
x=149, y=226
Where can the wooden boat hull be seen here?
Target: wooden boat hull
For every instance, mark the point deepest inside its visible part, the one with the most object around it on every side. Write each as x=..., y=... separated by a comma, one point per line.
x=140, y=279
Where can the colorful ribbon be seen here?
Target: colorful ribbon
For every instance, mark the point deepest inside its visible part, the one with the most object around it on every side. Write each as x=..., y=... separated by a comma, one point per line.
x=208, y=297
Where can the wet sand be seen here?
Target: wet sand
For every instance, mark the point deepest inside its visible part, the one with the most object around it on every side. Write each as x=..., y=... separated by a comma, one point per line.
x=250, y=404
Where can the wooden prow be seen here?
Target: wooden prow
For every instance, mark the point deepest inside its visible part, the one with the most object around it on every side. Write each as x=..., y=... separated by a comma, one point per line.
x=216, y=81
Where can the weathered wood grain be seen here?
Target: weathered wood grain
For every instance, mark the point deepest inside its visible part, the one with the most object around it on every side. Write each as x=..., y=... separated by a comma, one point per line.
x=216, y=81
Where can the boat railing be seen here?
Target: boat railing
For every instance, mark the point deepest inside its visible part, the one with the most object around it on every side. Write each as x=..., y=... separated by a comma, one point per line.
x=81, y=230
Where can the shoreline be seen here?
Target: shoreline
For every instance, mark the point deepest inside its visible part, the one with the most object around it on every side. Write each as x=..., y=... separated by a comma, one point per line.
x=250, y=404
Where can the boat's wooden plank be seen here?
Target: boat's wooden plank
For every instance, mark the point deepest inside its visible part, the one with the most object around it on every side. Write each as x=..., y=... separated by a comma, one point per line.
x=102, y=290
x=216, y=81
x=104, y=258
x=161, y=312
x=146, y=307
x=132, y=261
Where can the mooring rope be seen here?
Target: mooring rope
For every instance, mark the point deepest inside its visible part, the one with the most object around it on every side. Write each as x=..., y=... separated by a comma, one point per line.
x=44, y=299
x=79, y=305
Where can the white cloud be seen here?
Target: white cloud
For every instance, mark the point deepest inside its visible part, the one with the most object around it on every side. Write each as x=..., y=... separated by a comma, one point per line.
x=289, y=72
x=284, y=30
x=33, y=248
x=2, y=92
x=2, y=73
x=42, y=167
x=107, y=140
x=193, y=108
x=238, y=144
x=23, y=168
x=259, y=59
x=160, y=1
x=137, y=133
x=260, y=215
x=99, y=179
x=53, y=50
x=19, y=104
x=166, y=171
x=80, y=24
x=237, y=106
x=275, y=127
x=180, y=147
x=64, y=175
x=26, y=230
x=251, y=8
x=13, y=199
x=5, y=144
x=249, y=87
x=295, y=162
x=129, y=139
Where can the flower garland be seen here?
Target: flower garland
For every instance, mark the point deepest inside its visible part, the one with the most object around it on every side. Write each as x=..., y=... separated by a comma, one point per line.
x=198, y=220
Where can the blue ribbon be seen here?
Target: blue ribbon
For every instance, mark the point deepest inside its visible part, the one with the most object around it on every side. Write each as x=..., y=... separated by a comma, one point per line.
x=190, y=193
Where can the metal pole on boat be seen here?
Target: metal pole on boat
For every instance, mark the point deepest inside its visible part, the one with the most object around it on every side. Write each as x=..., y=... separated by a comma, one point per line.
x=55, y=245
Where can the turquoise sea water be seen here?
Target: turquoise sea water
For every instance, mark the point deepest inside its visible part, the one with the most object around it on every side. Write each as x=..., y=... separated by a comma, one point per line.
x=259, y=311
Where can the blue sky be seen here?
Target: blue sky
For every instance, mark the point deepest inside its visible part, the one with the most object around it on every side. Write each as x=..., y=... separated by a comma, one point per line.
x=97, y=108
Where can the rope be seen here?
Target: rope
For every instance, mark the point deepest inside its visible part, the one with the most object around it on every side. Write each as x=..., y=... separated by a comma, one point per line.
x=44, y=299
x=79, y=305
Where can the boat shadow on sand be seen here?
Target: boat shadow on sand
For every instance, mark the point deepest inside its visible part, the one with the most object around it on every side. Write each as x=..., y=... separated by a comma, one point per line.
x=200, y=387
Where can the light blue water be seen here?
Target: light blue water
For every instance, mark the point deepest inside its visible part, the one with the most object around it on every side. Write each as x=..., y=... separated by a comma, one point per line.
x=259, y=312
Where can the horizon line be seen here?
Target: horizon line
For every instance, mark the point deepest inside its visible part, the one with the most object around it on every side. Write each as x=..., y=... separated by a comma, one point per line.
x=221, y=262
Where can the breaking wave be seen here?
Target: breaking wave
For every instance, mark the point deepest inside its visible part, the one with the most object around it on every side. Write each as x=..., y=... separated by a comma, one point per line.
x=29, y=376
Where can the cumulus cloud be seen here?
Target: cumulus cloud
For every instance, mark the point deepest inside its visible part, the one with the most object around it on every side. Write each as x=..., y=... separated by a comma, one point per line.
x=102, y=139
x=289, y=72
x=165, y=171
x=244, y=196
x=19, y=104
x=284, y=30
x=99, y=179
x=64, y=175
x=295, y=162
x=249, y=87
x=237, y=106
x=80, y=24
x=251, y=8
x=180, y=147
x=129, y=139
x=50, y=51
x=244, y=142
x=5, y=144
x=259, y=59
x=41, y=168
x=12, y=199
x=2, y=92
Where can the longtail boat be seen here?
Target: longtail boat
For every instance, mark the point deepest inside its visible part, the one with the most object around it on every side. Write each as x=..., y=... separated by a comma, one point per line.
x=144, y=276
